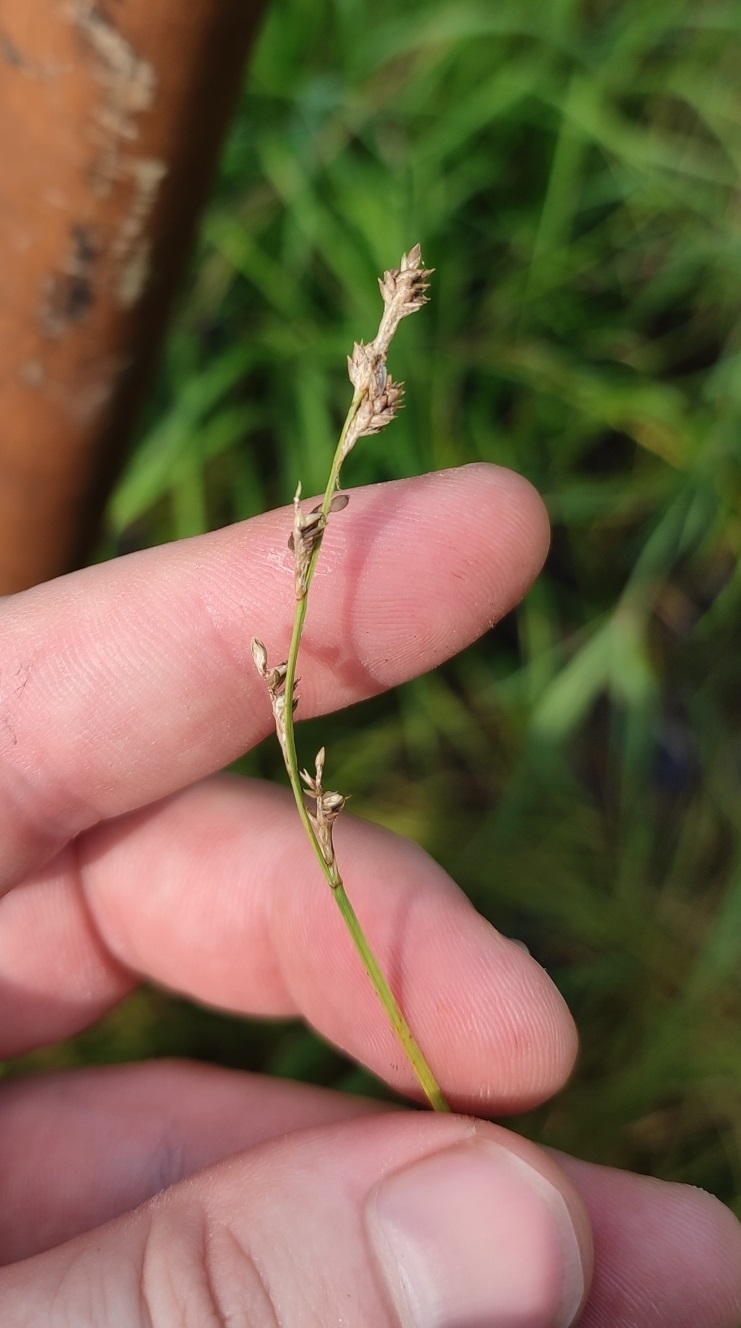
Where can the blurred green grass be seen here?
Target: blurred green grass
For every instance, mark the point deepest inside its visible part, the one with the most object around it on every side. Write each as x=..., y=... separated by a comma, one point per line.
x=573, y=173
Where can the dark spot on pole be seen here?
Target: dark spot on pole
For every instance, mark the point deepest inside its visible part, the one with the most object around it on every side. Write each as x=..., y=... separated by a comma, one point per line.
x=10, y=52
x=70, y=291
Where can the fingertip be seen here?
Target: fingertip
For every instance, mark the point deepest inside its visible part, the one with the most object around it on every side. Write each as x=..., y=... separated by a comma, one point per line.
x=669, y=1251
x=706, y=1236
x=477, y=1233
x=523, y=514
x=477, y=537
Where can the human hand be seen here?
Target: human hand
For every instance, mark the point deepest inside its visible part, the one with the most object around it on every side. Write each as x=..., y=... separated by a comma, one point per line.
x=260, y=1202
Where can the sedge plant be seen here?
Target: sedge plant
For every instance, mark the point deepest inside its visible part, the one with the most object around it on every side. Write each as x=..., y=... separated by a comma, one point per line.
x=375, y=401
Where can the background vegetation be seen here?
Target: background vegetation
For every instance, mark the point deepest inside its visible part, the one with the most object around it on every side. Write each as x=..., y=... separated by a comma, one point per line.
x=573, y=171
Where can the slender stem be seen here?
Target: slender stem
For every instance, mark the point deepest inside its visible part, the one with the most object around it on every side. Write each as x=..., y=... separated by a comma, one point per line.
x=428, y=1082
x=298, y=628
x=413, y=1051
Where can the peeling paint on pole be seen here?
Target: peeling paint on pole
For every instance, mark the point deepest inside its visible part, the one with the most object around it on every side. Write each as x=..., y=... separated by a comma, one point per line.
x=111, y=116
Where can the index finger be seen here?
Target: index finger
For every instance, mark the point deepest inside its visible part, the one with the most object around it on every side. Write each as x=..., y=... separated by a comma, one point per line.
x=129, y=680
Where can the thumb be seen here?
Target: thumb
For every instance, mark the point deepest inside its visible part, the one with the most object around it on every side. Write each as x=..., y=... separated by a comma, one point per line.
x=395, y=1220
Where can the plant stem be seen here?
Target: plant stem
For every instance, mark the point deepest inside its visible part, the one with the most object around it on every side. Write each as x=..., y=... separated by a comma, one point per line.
x=415, y=1055
x=298, y=628
x=413, y=1051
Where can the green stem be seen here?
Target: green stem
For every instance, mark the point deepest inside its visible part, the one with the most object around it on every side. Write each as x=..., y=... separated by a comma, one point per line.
x=415, y=1055
x=401, y=1028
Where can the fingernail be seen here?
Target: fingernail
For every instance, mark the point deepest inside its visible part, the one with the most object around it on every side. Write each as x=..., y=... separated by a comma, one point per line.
x=474, y=1236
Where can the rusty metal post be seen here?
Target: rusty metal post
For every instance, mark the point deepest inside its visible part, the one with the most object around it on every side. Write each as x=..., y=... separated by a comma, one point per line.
x=111, y=116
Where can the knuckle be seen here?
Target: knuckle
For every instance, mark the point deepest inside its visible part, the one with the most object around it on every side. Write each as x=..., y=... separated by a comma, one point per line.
x=196, y=1273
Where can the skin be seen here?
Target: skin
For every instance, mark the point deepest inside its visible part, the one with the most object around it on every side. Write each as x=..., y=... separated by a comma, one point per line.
x=124, y=688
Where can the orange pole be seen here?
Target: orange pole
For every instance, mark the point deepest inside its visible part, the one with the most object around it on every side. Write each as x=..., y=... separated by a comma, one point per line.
x=111, y=117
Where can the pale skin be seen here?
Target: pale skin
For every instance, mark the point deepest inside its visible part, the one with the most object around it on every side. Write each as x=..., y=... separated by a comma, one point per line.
x=123, y=689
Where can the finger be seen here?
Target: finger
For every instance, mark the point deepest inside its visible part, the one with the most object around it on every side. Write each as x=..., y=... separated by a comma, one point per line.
x=131, y=679
x=399, y=1218
x=216, y=893
x=666, y=1255
x=80, y=1148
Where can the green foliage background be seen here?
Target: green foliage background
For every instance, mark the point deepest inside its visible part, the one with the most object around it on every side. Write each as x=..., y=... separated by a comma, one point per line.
x=572, y=171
